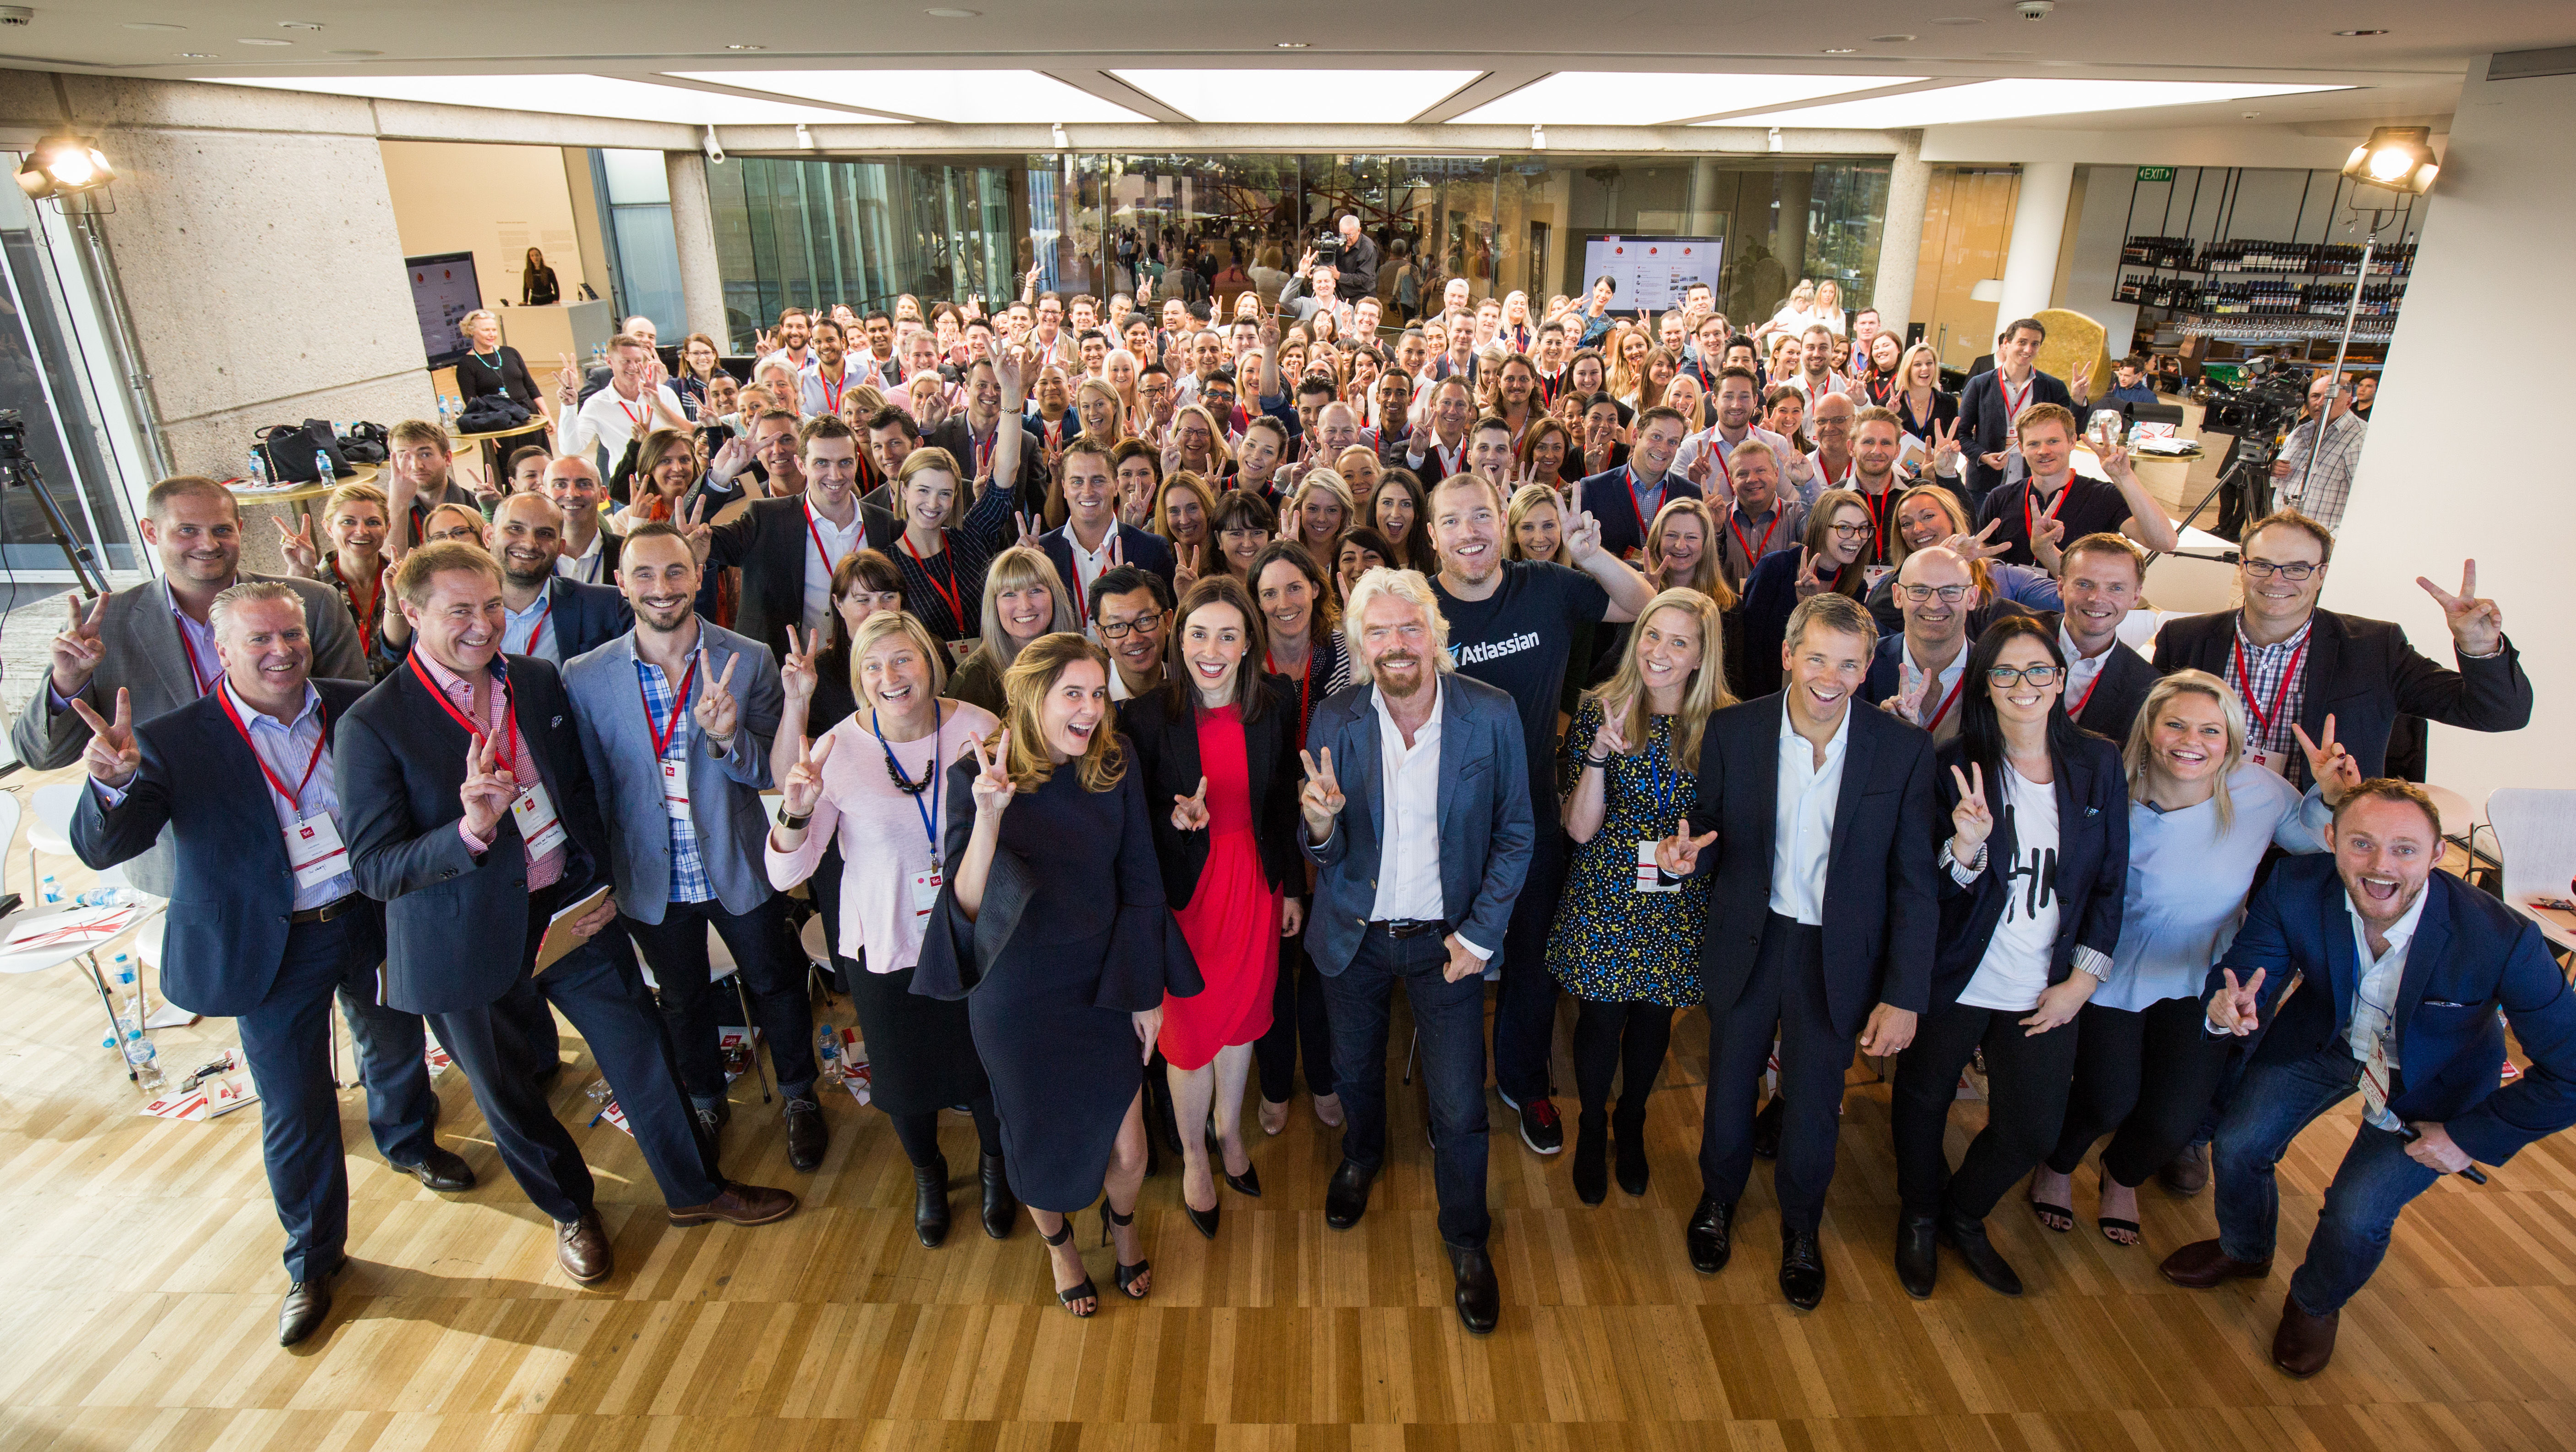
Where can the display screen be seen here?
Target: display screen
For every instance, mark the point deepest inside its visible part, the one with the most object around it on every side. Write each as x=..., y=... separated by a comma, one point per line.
x=443, y=291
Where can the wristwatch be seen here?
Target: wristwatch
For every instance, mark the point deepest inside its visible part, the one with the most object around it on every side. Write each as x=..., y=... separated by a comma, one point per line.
x=792, y=823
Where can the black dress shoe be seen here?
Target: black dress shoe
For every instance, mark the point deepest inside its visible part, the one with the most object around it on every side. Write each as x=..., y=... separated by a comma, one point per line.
x=1001, y=1207
x=307, y=1305
x=1591, y=1157
x=930, y=1201
x=1628, y=1152
x=1918, y=1257
x=1346, y=1198
x=1766, y=1129
x=1987, y=1264
x=441, y=1170
x=1802, y=1268
x=806, y=1136
x=1480, y=1297
x=1711, y=1235
x=1202, y=1221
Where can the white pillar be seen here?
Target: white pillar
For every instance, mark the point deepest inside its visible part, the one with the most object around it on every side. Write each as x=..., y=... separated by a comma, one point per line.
x=2494, y=218
x=1900, y=238
x=693, y=227
x=2039, y=220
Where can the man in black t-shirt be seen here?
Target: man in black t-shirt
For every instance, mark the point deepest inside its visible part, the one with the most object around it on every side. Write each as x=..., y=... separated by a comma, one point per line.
x=2053, y=503
x=1511, y=625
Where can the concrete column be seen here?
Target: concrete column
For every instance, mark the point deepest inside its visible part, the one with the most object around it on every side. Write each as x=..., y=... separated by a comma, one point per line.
x=2493, y=217
x=1797, y=188
x=2039, y=221
x=693, y=226
x=1900, y=237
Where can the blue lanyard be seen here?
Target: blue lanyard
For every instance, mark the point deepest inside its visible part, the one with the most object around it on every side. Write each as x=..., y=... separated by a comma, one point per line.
x=929, y=814
x=1662, y=759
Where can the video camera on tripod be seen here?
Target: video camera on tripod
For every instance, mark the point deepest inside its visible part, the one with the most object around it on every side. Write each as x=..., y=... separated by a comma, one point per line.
x=17, y=471
x=2256, y=413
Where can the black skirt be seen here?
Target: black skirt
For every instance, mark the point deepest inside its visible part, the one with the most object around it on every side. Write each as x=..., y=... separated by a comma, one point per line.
x=921, y=1051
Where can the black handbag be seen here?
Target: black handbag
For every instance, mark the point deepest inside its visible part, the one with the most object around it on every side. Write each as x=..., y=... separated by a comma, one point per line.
x=290, y=452
x=365, y=443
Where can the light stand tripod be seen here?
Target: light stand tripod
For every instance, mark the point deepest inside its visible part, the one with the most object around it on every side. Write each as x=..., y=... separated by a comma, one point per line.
x=19, y=471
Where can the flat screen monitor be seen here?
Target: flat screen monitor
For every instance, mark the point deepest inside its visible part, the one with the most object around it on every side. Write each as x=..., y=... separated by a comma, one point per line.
x=443, y=291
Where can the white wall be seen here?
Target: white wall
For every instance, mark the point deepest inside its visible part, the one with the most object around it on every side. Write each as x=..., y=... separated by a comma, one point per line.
x=2499, y=230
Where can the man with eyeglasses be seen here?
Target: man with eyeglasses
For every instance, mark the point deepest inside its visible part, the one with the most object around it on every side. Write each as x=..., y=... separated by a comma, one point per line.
x=1131, y=610
x=2295, y=664
x=1920, y=674
x=1155, y=393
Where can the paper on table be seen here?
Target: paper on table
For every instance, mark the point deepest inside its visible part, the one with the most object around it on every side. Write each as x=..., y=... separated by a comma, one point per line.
x=560, y=938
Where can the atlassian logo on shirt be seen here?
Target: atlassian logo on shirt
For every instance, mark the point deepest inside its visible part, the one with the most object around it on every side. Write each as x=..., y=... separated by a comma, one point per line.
x=1483, y=651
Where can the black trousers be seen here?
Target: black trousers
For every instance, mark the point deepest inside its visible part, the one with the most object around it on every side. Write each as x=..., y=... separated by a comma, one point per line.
x=2026, y=1079
x=919, y=1133
x=2145, y=1078
x=1301, y=1031
x=1628, y=1039
x=1784, y=995
x=1525, y=1005
x=773, y=976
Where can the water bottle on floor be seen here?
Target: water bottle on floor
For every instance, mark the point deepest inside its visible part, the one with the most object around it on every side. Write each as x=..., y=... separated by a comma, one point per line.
x=50, y=892
x=143, y=1059
x=827, y=1053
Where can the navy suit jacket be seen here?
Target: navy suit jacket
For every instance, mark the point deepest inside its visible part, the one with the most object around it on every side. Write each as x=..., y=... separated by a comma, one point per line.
x=2092, y=791
x=1150, y=552
x=1486, y=830
x=456, y=924
x=2470, y=956
x=1880, y=917
x=771, y=543
x=1989, y=428
x=1607, y=496
x=580, y=618
x=232, y=891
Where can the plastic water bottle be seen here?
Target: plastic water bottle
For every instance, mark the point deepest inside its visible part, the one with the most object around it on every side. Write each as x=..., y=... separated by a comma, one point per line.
x=143, y=1059
x=827, y=1053
x=49, y=891
x=442, y=411
x=105, y=897
x=257, y=474
x=322, y=466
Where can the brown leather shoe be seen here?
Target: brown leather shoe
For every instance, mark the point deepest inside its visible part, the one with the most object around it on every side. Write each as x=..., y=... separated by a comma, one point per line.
x=581, y=1248
x=738, y=1205
x=2202, y=1264
x=2187, y=1173
x=2305, y=1343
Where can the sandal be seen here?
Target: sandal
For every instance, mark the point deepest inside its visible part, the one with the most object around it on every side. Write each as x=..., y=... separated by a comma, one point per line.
x=1083, y=1292
x=2110, y=1223
x=2060, y=1218
x=1128, y=1275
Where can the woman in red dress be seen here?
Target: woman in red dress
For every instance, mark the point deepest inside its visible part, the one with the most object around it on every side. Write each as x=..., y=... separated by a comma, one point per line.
x=1217, y=746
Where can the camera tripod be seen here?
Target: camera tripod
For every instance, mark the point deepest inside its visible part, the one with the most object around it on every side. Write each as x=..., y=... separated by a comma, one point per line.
x=19, y=471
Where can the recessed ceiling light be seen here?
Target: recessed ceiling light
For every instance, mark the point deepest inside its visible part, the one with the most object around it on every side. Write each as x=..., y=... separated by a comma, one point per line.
x=1889, y=39
x=2250, y=115
x=746, y=47
x=1959, y=20
x=950, y=12
x=2360, y=32
x=196, y=55
x=357, y=52
x=151, y=25
x=297, y=25
x=261, y=40
x=1289, y=44
x=1841, y=50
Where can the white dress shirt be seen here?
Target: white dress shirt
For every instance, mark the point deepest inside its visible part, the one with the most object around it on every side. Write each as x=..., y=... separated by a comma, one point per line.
x=1719, y=487
x=839, y=543
x=2081, y=669
x=1408, y=856
x=2374, y=1009
x=610, y=420
x=585, y=566
x=1802, y=824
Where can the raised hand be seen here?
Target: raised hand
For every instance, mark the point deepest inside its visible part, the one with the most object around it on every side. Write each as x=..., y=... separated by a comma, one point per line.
x=1971, y=821
x=1190, y=813
x=2235, y=1007
x=2115, y=460
x=804, y=784
x=1612, y=738
x=1808, y=582
x=2046, y=535
x=2081, y=385
x=302, y=558
x=796, y=673
x=1320, y=799
x=2333, y=767
x=732, y=457
x=1028, y=527
x=1186, y=573
x=717, y=711
x=993, y=786
x=1011, y=370
x=1678, y=854
x=77, y=648
x=2477, y=626
x=1582, y=531
x=1981, y=545
x=1945, y=445
x=701, y=535
x=488, y=788
x=112, y=758
x=568, y=382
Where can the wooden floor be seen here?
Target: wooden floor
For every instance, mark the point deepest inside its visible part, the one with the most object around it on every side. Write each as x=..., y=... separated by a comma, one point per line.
x=139, y=1280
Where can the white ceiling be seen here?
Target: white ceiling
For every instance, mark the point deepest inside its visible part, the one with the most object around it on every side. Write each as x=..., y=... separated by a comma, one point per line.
x=1503, y=61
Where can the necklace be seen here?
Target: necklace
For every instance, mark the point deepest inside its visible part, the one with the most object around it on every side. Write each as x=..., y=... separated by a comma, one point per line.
x=903, y=783
x=493, y=362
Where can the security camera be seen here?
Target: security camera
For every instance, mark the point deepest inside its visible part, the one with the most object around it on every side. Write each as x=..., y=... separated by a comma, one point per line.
x=2034, y=9
x=715, y=148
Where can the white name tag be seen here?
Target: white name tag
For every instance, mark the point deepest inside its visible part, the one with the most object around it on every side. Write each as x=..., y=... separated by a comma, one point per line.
x=925, y=892
x=2275, y=762
x=675, y=788
x=534, y=811
x=314, y=850
x=1650, y=878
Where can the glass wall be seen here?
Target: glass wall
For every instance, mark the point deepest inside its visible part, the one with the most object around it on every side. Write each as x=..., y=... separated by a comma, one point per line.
x=44, y=383
x=643, y=249
x=814, y=232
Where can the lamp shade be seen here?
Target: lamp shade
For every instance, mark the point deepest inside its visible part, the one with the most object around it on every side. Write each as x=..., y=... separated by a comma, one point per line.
x=2395, y=158
x=63, y=165
x=1988, y=289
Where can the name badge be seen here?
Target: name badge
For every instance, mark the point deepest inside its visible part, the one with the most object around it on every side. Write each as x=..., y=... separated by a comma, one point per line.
x=675, y=788
x=1871, y=574
x=1650, y=878
x=534, y=811
x=925, y=892
x=2275, y=762
x=314, y=850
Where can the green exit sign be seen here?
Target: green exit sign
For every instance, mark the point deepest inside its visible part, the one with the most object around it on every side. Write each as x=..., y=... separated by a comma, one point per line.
x=2155, y=173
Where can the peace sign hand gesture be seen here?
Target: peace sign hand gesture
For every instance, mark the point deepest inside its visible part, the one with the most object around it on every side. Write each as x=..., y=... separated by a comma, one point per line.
x=700, y=534
x=1186, y=573
x=1320, y=799
x=1970, y=821
x=1808, y=581
x=302, y=559
x=1028, y=527
x=112, y=757
x=77, y=649
x=2477, y=626
x=2081, y=385
x=1945, y=445
x=488, y=789
x=2234, y=1008
x=796, y=674
x=568, y=382
x=1981, y=545
x=2329, y=762
x=1190, y=813
x=1582, y=531
x=804, y=784
x=993, y=786
x=1678, y=854
x=717, y=712
x=1612, y=738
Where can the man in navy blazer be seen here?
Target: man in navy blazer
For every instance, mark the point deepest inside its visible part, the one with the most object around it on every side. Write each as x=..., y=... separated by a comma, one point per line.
x=1821, y=921
x=1092, y=541
x=265, y=923
x=472, y=816
x=2369, y=971
x=1625, y=500
x=676, y=718
x=1417, y=812
x=544, y=614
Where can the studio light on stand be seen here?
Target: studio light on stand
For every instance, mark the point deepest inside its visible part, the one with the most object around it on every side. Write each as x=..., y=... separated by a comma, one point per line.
x=64, y=168
x=2398, y=160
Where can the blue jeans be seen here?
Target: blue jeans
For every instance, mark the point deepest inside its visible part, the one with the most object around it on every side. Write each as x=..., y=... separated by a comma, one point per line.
x=2370, y=1187
x=1451, y=1020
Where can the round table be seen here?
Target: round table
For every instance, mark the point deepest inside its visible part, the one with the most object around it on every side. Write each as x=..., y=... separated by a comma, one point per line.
x=537, y=424
x=303, y=495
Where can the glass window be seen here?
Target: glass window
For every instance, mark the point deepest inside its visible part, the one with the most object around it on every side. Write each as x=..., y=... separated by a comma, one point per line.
x=43, y=382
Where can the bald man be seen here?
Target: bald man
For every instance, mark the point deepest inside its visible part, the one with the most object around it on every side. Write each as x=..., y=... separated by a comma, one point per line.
x=1920, y=673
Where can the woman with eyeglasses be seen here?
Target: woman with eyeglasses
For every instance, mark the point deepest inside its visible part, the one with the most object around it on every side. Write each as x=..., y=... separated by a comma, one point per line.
x=2031, y=874
x=1829, y=558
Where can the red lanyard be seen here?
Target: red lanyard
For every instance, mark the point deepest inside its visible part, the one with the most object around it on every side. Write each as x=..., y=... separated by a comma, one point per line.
x=294, y=797
x=816, y=532
x=539, y=629
x=188, y=652
x=951, y=594
x=1947, y=702
x=2013, y=406
x=509, y=710
x=1752, y=556
x=1717, y=446
x=367, y=616
x=1636, y=501
x=2078, y=708
x=984, y=452
x=662, y=738
x=1877, y=518
x=1073, y=552
x=1830, y=482
x=634, y=418
x=832, y=390
x=2030, y=521
x=2263, y=719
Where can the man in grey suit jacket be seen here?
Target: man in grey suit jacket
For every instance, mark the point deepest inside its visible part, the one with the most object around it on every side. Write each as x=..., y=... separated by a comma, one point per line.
x=675, y=719
x=1417, y=810
x=154, y=642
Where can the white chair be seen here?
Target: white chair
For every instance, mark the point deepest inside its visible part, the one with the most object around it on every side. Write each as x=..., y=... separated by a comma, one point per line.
x=51, y=832
x=2535, y=832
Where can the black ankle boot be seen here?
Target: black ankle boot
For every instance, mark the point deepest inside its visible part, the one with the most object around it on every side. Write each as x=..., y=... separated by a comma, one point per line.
x=1628, y=1146
x=1001, y=1207
x=1591, y=1156
x=930, y=1201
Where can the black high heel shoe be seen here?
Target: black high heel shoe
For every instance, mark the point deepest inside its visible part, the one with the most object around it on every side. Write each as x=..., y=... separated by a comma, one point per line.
x=1247, y=1183
x=1128, y=1275
x=1086, y=1291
